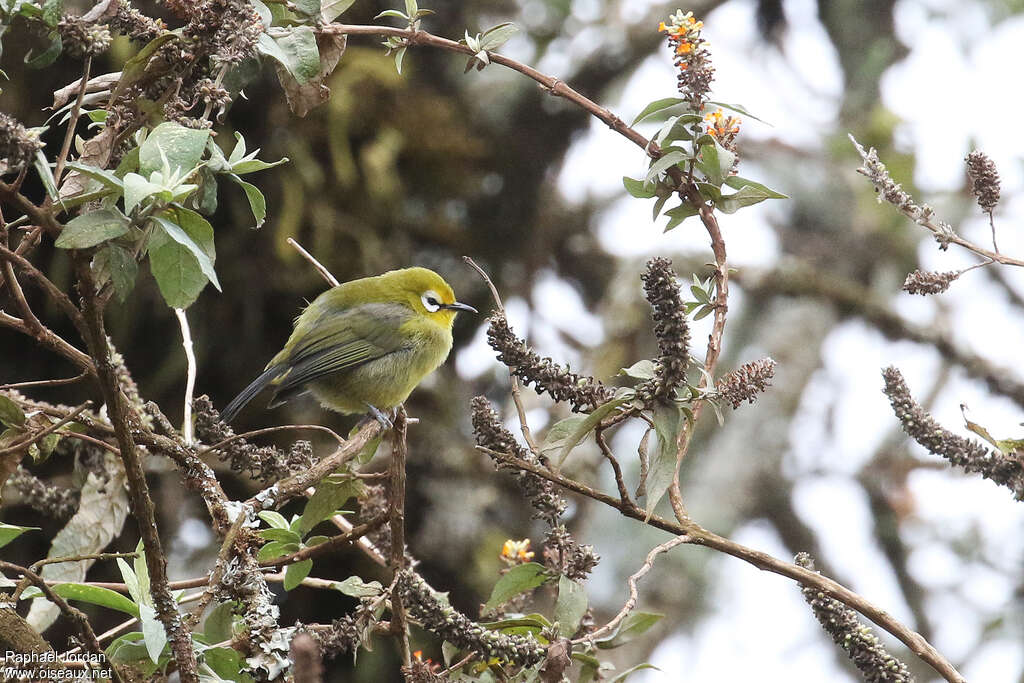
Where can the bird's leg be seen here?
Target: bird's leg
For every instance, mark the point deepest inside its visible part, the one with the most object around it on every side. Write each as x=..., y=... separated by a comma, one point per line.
x=384, y=420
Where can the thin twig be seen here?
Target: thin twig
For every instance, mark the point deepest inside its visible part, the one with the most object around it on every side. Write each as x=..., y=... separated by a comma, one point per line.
x=634, y=594
x=329, y=545
x=45, y=382
x=49, y=430
x=65, y=148
x=333, y=281
x=516, y=395
x=190, y=378
x=268, y=430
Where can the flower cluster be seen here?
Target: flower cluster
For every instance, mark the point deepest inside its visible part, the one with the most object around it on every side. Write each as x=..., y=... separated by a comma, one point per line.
x=723, y=128
x=746, y=382
x=18, y=146
x=516, y=552
x=443, y=620
x=984, y=180
x=965, y=453
x=57, y=502
x=265, y=463
x=691, y=55
x=861, y=644
x=890, y=191
x=83, y=38
x=134, y=24
x=546, y=375
x=491, y=434
x=564, y=555
x=671, y=329
x=926, y=282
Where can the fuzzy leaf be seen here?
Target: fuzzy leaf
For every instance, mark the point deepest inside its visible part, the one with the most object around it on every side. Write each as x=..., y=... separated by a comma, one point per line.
x=664, y=107
x=153, y=632
x=192, y=231
x=330, y=9
x=257, y=202
x=183, y=147
x=571, y=606
x=295, y=573
x=518, y=579
x=9, y=532
x=94, y=595
x=11, y=413
x=331, y=494
x=634, y=625
x=667, y=419
x=92, y=228
x=357, y=588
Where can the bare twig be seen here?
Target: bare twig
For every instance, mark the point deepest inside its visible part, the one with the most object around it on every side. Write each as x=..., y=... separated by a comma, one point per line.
x=269, y=430
x=190, y=378
x=329, y=545
x=516, y=394
x=333, y=281
x=634, y=594
x=44, y=432
x=45, y=382
x=72, y=123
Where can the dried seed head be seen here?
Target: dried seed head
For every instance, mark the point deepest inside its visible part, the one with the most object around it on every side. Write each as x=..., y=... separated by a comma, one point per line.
x=584, y=393
x=925, y=282
x=83, y=38
x=671, y=329
x=746, y=382
x=984, y=180
x=858, y=640
x=18, y=145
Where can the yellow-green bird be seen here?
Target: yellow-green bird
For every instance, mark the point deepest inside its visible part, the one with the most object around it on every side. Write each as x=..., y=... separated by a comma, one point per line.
x=364, y=345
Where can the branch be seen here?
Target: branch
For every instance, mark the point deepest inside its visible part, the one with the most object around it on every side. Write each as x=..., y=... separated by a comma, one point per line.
x=698, y=535
x=138, y=490
x=396, y=500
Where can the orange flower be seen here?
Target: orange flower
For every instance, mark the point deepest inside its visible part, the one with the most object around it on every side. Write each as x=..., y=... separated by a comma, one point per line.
x=517, y=551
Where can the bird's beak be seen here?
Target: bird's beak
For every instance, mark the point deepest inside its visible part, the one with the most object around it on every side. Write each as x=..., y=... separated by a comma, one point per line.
x=458, y=306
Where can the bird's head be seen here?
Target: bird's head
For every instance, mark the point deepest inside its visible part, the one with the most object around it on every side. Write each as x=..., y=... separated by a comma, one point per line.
x=426, y=293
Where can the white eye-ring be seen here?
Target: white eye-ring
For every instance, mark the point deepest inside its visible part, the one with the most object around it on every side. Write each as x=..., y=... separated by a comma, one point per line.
x=431, y=301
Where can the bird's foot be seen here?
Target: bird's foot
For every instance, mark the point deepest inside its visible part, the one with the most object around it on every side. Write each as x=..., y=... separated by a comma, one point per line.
x=382, y=418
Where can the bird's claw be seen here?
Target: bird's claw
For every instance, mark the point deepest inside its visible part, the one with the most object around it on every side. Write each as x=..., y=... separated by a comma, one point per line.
x=383, y=419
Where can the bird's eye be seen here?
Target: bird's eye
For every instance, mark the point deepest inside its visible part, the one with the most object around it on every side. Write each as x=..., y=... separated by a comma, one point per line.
x=431, y=301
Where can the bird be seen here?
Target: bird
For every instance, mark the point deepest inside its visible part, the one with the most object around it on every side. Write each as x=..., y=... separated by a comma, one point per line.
x=364, y=345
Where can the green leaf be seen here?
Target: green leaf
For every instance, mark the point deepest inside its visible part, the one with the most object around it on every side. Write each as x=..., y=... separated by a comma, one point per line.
x=94, y=595
x=134, y=70
x=311, y=8
x=177, y=272
x=92, y=228
x=47, y=56
x=104, y=176
x=225, y=662
x=739, y=110
x=664, y=107
x=192, y=231
x=642, y=369
x=9, y=532
x=296, y=51
x=639, y=188
x=392, y=13
x=532, y=623
x=153, y=632
x=367, y=452
x=715, y=162
x=11, y=413
x=357, y=588
x=571, y=606
x=679, y=214
x=42, y=166
x=274, y=519
x=738, y=183
x=746, y=196
x=331, y=493
x=253, y=165
x=631, y=670
x=677, y=128
x=137, y=189
x=276, y=549
x=117, y=264
x=635, y=624
x=663, y=163
x=518, y=579
x=496, y=36
x=257, y=202
x=330, y=9
x=295, y=573
x=219, y=624
x=282, y=535
x=667, y=423
x=182, y=146
x=566, y=434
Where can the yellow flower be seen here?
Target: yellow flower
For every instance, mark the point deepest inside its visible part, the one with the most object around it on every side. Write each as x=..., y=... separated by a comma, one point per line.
x=517, y=551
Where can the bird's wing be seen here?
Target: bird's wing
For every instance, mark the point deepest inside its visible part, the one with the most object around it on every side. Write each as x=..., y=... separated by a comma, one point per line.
x=339, y=339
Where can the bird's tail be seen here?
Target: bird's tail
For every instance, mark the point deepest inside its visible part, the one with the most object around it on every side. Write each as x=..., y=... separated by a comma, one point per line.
x=255, y=387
